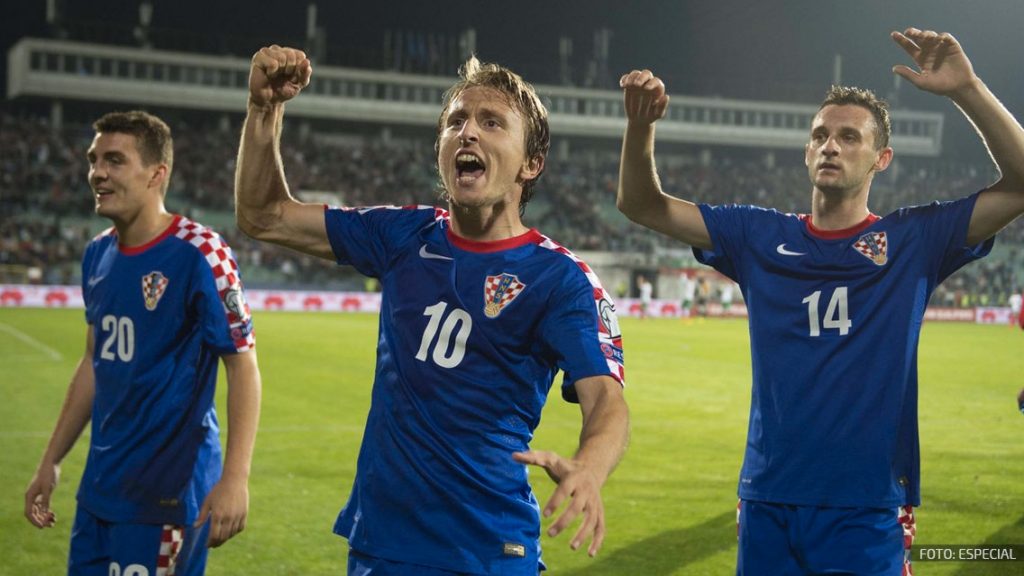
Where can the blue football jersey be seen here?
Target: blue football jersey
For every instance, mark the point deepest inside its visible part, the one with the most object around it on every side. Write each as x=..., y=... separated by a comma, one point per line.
x=161, y=314
x=834, y=324
x=471, y=337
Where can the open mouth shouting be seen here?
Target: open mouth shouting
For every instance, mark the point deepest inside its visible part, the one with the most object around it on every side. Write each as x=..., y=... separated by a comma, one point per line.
x=468, y=167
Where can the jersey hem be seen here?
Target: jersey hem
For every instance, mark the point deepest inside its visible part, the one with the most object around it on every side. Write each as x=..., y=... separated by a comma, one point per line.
x=824, y=502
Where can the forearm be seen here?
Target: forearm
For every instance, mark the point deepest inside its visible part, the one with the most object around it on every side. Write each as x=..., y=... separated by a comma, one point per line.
x=639, y=190
x=1000, y=131
x=244, y=391
x=605, y=434
x=260, y=186
x=75, y=414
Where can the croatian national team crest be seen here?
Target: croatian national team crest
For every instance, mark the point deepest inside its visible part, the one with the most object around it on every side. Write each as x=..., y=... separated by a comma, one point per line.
x=873, y=246
x=499, y=291
x=153, y=286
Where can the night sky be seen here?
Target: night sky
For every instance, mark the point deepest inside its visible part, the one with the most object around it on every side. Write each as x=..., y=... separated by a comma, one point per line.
x=729, y=48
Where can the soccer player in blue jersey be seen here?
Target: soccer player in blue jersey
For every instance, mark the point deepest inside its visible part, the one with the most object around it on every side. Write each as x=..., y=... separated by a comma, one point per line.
x=163, y=301
x=478, y=314
x=836, y=299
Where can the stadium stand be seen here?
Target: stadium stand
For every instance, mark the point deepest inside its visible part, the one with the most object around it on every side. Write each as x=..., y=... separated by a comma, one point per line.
x=47, y=208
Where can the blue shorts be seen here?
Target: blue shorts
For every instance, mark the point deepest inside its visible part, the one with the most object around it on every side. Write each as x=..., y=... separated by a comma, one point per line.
x=360, y=564
x=785, y=540
x=363, y=565
x=101, y=548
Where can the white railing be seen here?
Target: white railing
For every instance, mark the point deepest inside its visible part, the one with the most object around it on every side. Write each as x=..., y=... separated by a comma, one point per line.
x=73, y=70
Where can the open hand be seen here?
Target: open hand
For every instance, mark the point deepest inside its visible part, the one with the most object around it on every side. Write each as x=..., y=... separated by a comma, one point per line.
x=226, y=507
x=943, y=68
x=37, y=496
x=581, y=487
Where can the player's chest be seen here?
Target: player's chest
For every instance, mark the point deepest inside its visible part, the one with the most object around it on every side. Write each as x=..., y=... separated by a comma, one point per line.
x=493, y=293
x=151, y=286
x=834, y=287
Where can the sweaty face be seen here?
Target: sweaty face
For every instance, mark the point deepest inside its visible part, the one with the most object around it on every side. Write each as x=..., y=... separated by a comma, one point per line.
x=120, y=182
x=841, y=154
x=482, y=150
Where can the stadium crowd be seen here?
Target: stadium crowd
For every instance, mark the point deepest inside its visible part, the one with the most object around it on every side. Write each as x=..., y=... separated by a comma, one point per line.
x=46, y=208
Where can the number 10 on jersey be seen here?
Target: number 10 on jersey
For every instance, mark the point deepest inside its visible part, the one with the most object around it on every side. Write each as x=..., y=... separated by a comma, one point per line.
x=447, y=354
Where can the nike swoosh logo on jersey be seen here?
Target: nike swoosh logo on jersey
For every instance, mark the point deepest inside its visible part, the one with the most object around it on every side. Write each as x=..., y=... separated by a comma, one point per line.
x=781, y=249
x=95, y=280
x=431, y=255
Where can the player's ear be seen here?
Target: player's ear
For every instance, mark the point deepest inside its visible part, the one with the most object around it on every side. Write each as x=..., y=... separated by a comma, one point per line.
x=531, y=168
x=160, y=173
x=884, y=159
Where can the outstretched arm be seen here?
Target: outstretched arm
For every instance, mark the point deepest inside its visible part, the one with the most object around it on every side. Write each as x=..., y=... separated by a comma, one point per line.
x=264, y=208
x=602, y=443
x=227, y=504
x=74, y=415
x=640, y=196
x=944, y=69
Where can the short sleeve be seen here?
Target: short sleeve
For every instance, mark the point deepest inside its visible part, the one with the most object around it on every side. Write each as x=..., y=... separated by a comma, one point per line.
x=583, y=331
x=223, y=311
x=367, y=238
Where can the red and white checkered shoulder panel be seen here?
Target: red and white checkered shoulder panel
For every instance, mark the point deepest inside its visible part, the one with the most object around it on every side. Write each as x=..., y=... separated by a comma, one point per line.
x=608, y=330
x=225, y=275
x=550, y=244
x=216, y=251
x=439, y=213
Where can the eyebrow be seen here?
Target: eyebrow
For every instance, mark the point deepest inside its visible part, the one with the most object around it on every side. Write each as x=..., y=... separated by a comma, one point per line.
x=91, y=153
x=841, y=130
x=483, y=110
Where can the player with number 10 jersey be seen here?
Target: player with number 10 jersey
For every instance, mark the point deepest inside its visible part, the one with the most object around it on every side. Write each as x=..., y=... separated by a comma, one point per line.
x=471, y=337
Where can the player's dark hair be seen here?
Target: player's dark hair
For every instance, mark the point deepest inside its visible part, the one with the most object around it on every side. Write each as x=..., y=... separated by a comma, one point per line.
x=851, y=95
x=152, y=135
x=521, y=96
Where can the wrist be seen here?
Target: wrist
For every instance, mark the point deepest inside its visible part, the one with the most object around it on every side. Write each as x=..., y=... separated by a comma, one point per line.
x=968, y=90
x=263, y=109
x=234, y=475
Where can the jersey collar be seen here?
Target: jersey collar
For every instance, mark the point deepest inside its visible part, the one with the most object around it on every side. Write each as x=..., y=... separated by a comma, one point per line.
x=134, y=250
x=531, y=236
x=839, y=234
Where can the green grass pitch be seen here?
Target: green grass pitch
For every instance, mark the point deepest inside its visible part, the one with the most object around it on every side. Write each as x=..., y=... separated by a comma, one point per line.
x=670, y=505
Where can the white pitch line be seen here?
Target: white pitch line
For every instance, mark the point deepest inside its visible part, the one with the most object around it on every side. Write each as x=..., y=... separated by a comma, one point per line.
x=53, y=354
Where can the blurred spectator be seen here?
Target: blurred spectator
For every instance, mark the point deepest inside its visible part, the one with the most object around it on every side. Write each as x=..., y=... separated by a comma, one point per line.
x=46, y=205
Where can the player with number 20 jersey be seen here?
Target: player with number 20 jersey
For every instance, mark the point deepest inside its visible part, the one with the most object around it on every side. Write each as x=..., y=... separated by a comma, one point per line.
x=163, y=314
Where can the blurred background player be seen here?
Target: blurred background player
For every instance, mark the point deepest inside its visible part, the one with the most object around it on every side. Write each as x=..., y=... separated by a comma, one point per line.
x=703, y=296
x=478, y=313
x=1014, y=301
x=163, y=301
x=688, y=287
x=835, y=299
x=725, y=296
x=646, y=290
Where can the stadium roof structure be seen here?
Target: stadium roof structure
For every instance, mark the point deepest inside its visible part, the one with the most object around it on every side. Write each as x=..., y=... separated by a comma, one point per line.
x=65, y=70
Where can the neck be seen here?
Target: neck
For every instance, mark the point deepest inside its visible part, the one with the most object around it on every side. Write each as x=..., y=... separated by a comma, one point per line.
x=486, y=224
x=836, y=210
x=142, y=227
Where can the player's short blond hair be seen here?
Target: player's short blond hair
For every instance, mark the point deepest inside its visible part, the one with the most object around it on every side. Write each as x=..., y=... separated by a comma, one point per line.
x=520, y=95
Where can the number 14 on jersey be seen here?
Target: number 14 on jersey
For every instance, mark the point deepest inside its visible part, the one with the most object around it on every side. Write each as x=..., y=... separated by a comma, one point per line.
x=837, y=314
